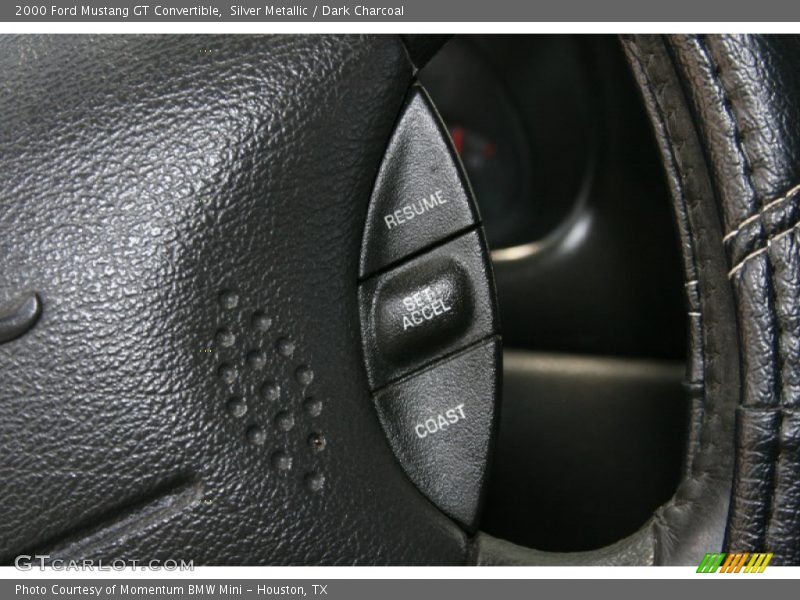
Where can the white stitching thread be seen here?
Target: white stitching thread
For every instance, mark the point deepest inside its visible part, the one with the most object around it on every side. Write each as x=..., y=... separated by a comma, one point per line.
x=788, y=196
x=738, y=267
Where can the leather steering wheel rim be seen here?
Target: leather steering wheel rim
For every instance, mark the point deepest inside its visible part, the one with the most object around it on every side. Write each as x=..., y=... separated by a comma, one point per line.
x=163, y=196
x=724, y=115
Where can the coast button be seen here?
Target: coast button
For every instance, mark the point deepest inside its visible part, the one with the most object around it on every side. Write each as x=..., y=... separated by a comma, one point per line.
x=441, y=424
x=420, y=195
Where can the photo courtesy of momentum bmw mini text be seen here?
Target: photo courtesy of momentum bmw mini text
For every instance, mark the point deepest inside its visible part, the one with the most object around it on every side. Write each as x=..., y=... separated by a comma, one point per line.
x=399, y=299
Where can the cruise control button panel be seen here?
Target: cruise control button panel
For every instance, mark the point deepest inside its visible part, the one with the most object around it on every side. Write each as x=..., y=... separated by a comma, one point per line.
x=440, y=424
x=428, y=315
x=426, y=308
x=421, y=195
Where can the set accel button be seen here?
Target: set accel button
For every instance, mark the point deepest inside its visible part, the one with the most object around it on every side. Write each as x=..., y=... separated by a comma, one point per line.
x=426, y=308
x=423, y=306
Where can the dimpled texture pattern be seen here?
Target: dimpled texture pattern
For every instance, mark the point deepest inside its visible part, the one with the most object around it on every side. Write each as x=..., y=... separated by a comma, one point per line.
x=140, y=179
x=261, y=382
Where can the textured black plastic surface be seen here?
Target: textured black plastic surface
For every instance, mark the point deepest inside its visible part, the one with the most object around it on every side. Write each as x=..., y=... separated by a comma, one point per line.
x=421, y=195
x=441, y=425
x=190, y=210
x=456, y=277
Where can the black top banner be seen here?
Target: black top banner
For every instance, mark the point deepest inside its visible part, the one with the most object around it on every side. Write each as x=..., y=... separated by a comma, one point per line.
x=401, y=11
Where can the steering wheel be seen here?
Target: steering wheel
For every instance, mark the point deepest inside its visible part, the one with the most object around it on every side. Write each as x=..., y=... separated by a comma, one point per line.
x=216, y=344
